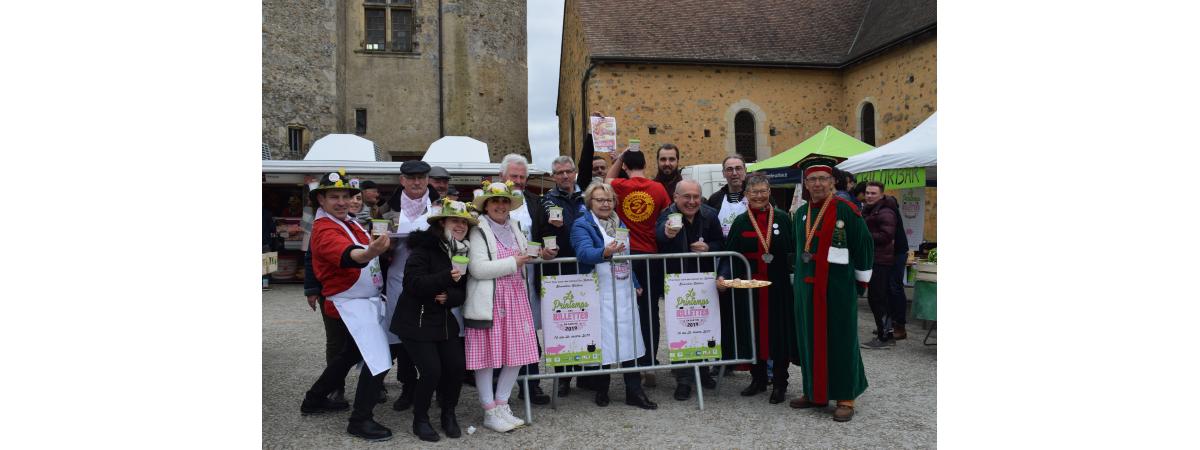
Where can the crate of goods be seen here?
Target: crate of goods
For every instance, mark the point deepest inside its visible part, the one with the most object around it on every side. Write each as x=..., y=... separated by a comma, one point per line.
x=287, y=267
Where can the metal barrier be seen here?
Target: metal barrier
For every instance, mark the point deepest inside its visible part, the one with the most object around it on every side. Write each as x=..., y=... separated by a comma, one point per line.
x=651, y=349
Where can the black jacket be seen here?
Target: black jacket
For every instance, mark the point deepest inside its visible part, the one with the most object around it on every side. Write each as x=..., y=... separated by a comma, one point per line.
x=426, y=274
x=718, y=197
x=901, y=236
x=708, y=227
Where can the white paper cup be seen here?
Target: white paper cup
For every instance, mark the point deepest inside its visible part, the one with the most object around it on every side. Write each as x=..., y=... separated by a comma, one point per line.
x=555, y=214
x=533, y=249
x=460, y=263
x=550, y=242
x=622, y=234
x=379, y=226
x=675, y=220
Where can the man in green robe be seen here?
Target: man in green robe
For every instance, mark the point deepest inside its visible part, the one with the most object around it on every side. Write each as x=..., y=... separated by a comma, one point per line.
x=834, y=254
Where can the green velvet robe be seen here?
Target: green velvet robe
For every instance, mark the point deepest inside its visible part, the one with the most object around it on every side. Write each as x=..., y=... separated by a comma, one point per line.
x=780, y=337
x=843, y=377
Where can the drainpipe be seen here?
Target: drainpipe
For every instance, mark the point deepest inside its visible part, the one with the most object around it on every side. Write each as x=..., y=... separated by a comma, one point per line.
x=441, y=87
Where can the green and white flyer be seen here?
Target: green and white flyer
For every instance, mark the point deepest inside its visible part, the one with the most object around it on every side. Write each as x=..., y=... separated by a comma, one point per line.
x=693, y=316
x=571, y=319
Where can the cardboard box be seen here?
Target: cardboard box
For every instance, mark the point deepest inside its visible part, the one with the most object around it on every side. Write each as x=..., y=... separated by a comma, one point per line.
x=270, y=262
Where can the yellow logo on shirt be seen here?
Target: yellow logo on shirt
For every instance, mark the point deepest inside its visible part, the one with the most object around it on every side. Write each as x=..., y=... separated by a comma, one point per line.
x=637, y=206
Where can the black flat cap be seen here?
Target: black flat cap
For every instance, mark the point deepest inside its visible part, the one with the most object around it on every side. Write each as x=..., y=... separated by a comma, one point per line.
x=414, y=167
x=367, y=184
x=438, y=172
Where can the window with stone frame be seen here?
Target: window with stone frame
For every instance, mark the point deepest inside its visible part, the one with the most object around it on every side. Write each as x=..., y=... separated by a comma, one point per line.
x=866, y=123
x=743, y=136
x=389, y=26
x=295, y=138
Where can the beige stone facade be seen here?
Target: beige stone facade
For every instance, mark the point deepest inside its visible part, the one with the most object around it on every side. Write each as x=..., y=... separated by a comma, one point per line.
x=319, y=72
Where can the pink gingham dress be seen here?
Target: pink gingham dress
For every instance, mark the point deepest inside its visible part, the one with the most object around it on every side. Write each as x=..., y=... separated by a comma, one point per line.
x=512, y=340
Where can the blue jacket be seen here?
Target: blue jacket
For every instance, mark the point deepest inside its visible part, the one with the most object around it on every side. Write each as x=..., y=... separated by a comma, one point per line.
x=589, y=244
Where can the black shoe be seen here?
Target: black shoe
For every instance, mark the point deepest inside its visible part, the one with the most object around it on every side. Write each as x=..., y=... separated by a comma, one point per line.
x=708, y=382
x=426, y=432
x=754, y=388
x=585, y=382
x=602, y=398
x=683, y=392
x=778, y=395
x=404, y=401
x=450, y=426
x=338, y=398
x=382, y=396
x=369, y=430
x=318, y=405
x=564, y=388
x=538, y=397
x=640, y=400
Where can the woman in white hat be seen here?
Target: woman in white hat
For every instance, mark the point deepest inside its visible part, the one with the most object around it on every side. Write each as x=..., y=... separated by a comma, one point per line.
x=500, y=330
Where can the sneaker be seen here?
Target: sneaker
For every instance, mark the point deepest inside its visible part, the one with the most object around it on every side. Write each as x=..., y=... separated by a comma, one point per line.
x=493, y=420
x=507, y=414
x=876, y=344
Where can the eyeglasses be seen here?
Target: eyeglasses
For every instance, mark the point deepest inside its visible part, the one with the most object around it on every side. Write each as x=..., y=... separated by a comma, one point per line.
x=735, y=169
x=817, y=179
x=690, y=198
x=564, y=172
x=760, y=192
x=602, y=200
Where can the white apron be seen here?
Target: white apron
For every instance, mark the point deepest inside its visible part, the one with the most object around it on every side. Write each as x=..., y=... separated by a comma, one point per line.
x=395, y=281
x=730, y=211
x=362, y=310
x=628, y=324
x=525, y=223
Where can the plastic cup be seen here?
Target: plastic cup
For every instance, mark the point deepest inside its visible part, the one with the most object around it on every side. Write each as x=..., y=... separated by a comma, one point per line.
x=460, y=263
x=533, y=249
x=379, y=226
x=675, y=220
x=550, y=242
x=622, y=234
x=555, y=214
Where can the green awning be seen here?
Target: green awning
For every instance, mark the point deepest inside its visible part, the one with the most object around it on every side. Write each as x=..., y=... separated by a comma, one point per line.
x=829, y=142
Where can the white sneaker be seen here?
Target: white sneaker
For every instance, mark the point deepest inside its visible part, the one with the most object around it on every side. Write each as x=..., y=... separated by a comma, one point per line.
x=506, y=411
x=494, y=420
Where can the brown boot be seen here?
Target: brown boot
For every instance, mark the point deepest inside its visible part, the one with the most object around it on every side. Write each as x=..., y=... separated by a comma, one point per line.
x=844, y=412
x=899, y=333
x=803, y=402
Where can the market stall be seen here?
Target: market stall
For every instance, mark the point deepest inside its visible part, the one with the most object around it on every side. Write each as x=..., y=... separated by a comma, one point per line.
x=783, y=171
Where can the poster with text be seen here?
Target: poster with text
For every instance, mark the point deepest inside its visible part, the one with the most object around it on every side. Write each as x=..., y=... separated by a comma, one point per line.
x=912, y=213
x=604, y=133
x=693, y=316
x=570, y=319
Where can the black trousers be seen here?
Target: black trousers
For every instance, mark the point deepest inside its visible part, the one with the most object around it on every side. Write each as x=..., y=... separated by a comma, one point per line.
x=897, y=301
x=440, y=366
x=633, y=381
x=406, y=372
x=650, y=277
x=334, y=378
x=877, y=298
x=758, y=373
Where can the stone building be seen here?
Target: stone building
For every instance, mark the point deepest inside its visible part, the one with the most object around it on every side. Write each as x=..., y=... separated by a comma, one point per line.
x=401, y=73
x=719, y=78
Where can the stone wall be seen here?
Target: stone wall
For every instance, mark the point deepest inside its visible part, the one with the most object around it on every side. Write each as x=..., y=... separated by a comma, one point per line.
x=573, y=63
x=299, y=76
x=902, y=85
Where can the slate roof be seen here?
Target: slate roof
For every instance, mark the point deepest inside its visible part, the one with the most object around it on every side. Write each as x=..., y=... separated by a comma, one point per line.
x=817, y=33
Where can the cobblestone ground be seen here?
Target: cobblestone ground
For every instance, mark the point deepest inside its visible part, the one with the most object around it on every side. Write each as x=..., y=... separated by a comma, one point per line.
x=898, y=410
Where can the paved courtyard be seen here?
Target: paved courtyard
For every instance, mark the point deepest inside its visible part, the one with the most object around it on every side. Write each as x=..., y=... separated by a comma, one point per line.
x=898, y=410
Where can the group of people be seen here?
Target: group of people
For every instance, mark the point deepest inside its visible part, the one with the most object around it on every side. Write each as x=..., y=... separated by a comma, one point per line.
x=386, y=299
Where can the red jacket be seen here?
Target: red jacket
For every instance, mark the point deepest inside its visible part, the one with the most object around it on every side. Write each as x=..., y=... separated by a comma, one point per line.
x=330, y=247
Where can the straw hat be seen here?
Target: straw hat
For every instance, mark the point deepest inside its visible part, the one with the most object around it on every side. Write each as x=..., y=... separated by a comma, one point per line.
x=498, y=189
x=334, y=180
x=453, y=209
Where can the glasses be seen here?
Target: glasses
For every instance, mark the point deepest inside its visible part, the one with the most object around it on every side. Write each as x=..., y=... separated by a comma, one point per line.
x=735, y=169
x=688, y=197
x=760, y=192
x=602, y=200
x=817, y=179
x=564, y=172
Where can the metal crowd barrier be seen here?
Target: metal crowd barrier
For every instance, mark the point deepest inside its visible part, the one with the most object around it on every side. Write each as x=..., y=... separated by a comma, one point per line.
x=615, y=368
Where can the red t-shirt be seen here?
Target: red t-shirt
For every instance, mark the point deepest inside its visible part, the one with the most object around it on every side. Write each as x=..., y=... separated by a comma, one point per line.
x=329, y=242
x=639, y=202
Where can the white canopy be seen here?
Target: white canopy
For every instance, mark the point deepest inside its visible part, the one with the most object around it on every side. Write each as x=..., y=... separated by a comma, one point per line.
x=341, y=147
x=457, y=149
x=918, y=148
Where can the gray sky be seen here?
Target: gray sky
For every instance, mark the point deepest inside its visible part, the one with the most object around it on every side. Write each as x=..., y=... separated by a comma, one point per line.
x=544, y=22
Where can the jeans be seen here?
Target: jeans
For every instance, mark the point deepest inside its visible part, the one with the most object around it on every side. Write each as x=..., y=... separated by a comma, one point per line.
x=877, y=298
x=897, y=301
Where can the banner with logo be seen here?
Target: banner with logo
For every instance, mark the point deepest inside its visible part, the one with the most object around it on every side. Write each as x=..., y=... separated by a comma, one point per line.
x=693, y=316
x=571, y=319
x=912, y=213
x=912, y=177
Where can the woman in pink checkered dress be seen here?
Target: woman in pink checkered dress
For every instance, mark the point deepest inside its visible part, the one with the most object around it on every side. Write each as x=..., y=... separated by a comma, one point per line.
x=500, y=329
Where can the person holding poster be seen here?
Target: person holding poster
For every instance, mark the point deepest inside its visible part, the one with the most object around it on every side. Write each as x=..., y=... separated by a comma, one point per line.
x=346, y=264
x=834, y=254
x=764, y=235
x=500, y=332
x=593, y=238
x=428, y=317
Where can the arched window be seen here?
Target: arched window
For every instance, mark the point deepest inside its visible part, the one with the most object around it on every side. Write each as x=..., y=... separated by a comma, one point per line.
x=743, y=133
x=866, y=123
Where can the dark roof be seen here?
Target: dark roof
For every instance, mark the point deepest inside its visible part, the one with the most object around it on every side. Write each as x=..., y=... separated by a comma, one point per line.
x=814, y=33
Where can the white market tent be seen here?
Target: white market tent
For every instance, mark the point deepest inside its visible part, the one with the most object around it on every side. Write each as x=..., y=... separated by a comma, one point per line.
x=918, y=148
x=457, y=149
x=341, y=147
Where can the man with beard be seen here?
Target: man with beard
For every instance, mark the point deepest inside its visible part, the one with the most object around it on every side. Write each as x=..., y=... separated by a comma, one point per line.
x=439, y=180
x=668, y=168
x=730, y=201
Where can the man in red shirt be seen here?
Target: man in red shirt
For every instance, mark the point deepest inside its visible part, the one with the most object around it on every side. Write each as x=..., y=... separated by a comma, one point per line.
x=640, y=200
x=345, y=262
